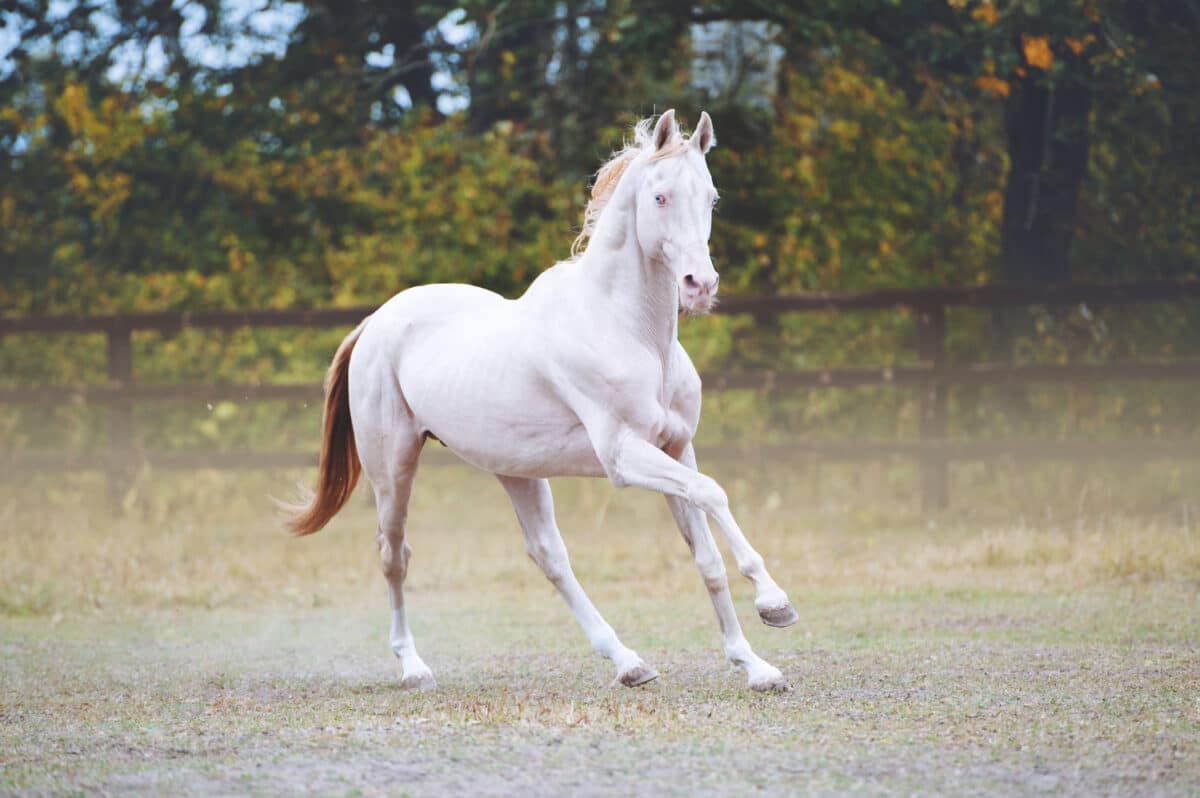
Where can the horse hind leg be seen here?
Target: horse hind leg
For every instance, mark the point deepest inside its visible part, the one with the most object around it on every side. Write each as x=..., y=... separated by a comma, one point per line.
x=391, y=470
x=394, y=556
x=388, y=441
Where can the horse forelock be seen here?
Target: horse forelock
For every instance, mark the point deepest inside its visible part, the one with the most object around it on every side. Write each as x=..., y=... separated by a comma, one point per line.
x=610, y=173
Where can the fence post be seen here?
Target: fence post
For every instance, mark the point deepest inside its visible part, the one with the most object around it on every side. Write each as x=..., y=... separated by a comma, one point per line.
x=931, y=350
x=120, y=415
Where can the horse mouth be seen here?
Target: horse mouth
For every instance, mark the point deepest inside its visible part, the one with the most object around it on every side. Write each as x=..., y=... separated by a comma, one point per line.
x=700, y=306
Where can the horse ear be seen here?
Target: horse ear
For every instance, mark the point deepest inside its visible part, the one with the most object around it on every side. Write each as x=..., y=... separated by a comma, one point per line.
x=666, y=129
x=703, y=137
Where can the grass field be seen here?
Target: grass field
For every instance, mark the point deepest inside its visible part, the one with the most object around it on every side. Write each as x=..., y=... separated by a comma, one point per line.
x=191, y=648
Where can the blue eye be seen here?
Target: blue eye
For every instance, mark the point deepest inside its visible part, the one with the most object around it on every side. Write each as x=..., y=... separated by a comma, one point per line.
x=715, y=201
x=660, y=200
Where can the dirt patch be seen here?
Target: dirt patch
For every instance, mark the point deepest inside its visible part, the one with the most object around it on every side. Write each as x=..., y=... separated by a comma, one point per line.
x=220, y=702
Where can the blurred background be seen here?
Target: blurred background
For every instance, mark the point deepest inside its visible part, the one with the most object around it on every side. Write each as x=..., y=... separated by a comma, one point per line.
x=198, y=157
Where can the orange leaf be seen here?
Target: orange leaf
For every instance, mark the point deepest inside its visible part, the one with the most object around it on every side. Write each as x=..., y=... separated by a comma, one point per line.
x=1037, y=51
x=985, y=13
x=992, y=85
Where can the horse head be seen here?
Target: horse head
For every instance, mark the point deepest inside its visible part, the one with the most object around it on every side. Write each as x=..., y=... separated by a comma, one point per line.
x=674, y=202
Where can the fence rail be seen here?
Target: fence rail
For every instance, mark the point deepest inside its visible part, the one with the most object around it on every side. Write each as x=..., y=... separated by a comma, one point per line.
x=931, y=376
x=755, y=379
x=984, y=296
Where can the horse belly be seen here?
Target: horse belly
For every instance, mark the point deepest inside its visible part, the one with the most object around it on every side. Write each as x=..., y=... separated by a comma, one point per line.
x=517, y=445
x=535, y=453
x=488, y=406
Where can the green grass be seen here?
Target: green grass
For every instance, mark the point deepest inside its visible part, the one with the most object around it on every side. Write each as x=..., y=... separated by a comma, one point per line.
x=191, y=648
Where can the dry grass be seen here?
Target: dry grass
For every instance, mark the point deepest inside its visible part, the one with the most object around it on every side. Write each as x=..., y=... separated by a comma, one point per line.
x=194, y=648
x=210, y=540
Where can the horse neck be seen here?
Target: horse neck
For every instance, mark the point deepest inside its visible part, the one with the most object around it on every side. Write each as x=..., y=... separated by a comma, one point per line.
x=640, y=289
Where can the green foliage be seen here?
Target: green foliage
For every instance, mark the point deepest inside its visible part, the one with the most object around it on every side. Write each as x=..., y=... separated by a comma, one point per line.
x=854, y=186
x=246, y=227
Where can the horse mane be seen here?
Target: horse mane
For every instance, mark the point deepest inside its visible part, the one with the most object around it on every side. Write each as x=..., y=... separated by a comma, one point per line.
x=609, y=175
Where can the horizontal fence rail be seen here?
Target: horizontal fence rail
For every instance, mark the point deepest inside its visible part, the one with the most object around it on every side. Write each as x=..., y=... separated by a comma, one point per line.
x=755, y=379
x=173, y=322
x=931, y=376
x=985, y=296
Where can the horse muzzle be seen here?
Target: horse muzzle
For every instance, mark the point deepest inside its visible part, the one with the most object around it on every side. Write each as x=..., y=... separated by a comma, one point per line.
x=698, y=290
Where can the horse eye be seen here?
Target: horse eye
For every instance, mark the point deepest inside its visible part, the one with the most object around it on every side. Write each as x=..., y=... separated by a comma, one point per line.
x=715, y=201
x=660, y=200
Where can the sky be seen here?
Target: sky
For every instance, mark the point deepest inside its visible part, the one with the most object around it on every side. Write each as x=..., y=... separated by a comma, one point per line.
x=261, y=29
x=266, y=24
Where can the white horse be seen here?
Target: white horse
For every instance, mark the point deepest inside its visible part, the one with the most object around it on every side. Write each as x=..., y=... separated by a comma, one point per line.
x=582, y=376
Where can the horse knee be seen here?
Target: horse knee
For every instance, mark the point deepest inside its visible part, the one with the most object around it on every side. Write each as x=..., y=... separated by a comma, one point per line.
x=752, y=565
x=712, y=571
x=705, y=493
x=550, y=558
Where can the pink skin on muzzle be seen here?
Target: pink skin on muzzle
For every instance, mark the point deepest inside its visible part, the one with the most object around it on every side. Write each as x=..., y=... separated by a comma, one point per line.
x=698, y=279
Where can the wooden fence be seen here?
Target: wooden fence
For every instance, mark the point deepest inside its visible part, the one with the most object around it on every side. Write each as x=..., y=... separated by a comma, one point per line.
x=930, y=376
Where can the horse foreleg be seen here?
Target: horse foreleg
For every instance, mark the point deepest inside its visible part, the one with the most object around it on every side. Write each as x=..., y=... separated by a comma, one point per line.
x=534, y=504
x=634, y=461
x=693, y=525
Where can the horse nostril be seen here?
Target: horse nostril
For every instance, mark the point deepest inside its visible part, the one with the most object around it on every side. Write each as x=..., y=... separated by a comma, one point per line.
x=690, y=281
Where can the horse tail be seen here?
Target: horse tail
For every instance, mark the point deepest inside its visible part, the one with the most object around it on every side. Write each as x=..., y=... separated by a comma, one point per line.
x=340, y=468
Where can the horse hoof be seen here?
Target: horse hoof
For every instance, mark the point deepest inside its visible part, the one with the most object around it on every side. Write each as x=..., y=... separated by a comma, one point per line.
x=637, y=675
x=779, y=616
x=420, y=680
x=771, y=681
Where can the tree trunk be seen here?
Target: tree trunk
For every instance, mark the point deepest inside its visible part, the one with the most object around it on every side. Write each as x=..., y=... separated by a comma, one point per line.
x=509, y=72
x=1047, y=129
x=406, y=32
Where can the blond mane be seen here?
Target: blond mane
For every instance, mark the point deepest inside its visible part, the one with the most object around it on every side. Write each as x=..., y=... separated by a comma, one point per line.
x=609, y=175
